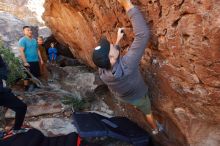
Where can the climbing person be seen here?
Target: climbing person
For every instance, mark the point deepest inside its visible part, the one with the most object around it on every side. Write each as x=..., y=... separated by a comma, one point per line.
x=30, y=56
x=9, y=100
x=121, y=73
x=43, y=67
x=52, y=51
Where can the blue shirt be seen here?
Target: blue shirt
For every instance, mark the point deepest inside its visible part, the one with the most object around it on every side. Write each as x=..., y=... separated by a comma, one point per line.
x=52, y=51
x=30, y=49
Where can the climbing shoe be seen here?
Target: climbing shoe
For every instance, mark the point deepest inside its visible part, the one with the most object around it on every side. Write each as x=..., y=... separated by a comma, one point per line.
x=158, y=129
x=14, y=132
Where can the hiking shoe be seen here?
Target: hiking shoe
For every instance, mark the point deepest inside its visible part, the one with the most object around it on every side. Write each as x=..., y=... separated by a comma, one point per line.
x=14, y=132
x=155, y=131
x=22, y=130
x=26, y=88
x=36, y=87
x=31, y=88
x=51, y=81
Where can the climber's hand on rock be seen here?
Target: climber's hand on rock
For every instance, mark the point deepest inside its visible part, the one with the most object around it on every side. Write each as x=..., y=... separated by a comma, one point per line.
x=121, y=32
x=126, y=4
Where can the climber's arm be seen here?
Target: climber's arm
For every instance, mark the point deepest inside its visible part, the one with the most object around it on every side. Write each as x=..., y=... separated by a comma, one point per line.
x=22, y=55
x=141, y=31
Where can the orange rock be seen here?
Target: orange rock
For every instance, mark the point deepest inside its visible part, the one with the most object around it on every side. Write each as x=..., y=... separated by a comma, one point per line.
x=181, y=68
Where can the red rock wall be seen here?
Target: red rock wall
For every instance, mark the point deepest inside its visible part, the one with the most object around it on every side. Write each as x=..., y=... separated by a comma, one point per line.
x=181, y=64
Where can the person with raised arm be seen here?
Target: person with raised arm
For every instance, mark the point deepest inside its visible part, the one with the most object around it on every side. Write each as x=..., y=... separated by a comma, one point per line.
x=121, y=73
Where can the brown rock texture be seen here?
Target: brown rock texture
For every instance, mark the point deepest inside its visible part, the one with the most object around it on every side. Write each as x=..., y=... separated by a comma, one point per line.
x=181, y=64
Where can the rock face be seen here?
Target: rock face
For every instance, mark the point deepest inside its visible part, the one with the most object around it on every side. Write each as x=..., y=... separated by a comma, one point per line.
x=181, y=64
x=54, y=126
x=14, y=14
x=77, y=80
x=62, y=49
x=42, y=103
x=44, y=31
x=11, y=30
x=29, y=11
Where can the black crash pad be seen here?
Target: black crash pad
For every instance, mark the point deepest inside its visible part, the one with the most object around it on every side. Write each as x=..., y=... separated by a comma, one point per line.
x=91, y=124
x=35, y=138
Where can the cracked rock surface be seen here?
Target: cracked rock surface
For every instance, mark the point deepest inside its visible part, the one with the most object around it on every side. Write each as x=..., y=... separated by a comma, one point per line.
x=181, y=64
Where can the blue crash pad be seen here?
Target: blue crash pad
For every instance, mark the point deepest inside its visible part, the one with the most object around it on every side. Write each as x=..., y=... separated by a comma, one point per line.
x=91, y=124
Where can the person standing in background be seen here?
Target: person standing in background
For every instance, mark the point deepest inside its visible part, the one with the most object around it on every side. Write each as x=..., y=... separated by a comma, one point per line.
x=43, y=67
x=52, y=51
x=30, y=55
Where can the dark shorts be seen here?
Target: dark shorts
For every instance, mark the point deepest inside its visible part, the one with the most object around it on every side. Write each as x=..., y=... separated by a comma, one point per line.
x=34, y=69
x=142, y=104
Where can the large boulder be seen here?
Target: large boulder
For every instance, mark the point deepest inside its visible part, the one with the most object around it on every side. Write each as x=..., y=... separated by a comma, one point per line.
x=181, y=64
x=41, y=103
x=44, y=31
x=11, y=31
x=78, y=80
x=54, y=126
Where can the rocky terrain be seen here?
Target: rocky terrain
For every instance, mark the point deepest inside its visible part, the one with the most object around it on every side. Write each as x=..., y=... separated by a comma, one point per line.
x=11, y=30
x=47, y=111
x=181, y=64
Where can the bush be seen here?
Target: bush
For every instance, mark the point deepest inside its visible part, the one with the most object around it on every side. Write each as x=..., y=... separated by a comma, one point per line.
x=75, y=103
x=14, y=66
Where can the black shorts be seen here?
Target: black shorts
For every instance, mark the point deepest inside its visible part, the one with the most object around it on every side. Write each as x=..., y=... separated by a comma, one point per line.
x=34, y=69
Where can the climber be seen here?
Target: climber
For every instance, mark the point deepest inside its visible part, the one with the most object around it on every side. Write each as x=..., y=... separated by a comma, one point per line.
x=30, y=56
x=9, y=100
x=121, y=74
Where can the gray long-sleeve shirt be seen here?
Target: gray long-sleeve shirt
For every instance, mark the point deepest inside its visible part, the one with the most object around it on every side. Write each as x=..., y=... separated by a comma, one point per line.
x=125, y=80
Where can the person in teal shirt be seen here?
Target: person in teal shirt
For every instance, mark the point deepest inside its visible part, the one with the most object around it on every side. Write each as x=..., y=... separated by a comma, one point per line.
x=30, y=54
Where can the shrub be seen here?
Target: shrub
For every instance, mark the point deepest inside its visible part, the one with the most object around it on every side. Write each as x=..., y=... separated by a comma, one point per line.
x=75, y=103
x=14, y=66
